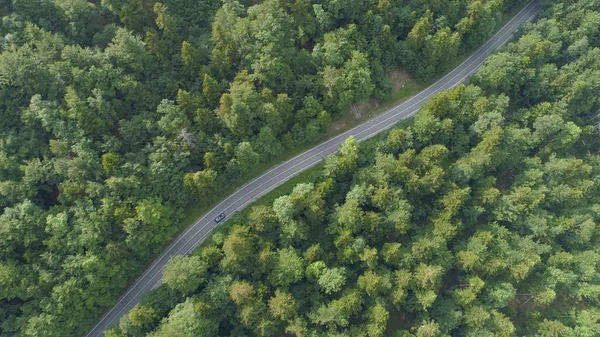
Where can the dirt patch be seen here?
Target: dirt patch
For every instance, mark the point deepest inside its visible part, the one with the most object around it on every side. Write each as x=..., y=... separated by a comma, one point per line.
x=403, y=86
x=400, y=78
x=337, y=124
x=368, y=108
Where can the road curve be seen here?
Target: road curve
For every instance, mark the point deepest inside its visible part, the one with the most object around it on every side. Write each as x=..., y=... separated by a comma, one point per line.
x=260, y=186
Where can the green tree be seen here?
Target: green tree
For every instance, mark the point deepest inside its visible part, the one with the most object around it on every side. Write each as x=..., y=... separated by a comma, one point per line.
x=428, y=329
x=211, y=90
x=350, y=84
x=238, y=249
x=192, y=58
x=289, y=268
x=110, y=162
x=267, y=145
x=332, y=280
x=240, y=107
x=342, y=164
x=282, y=305
x=142, y=315
x=201, y=184
x=184, y=274
x=245, y=160
x=164, y=21
x=184, y=321
x=377, y=316
x=241, y=292
x=372, y=283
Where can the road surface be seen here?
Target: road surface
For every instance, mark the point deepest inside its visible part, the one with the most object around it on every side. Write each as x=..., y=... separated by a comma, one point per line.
x=260, y=186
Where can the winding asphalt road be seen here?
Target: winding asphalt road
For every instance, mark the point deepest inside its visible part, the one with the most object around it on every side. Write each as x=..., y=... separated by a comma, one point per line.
x=260, y=186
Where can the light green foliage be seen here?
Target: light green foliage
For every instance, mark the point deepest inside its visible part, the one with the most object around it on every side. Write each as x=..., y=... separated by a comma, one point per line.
x=501, y=294
x=372, y=283
x=344, y=162
x=110, y=162
x=201, y=184
x=428, y=329
x=315, y=269
x=164, y=21
x=377, y=317
x=245, y=160
x=238, y=248
x=332, y=280
x=153, y=220
x=337, y=46
x=240, y=107
x=331, y=316
x=288, y=268
x=349, y=84
x=241, y=292
x=184, y=321
x=184, y=274
x=142, y=315
x=282, y=305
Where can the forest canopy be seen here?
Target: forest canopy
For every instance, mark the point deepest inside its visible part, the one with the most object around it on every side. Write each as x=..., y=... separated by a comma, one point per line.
x=480, y=218
x=116, y=116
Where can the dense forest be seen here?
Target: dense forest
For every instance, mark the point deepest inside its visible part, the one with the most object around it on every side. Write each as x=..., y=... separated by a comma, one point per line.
x=115, y=116
x=480, y=218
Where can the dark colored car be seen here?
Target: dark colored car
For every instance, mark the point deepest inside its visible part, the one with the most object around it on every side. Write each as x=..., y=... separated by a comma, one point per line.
x=220, y=217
